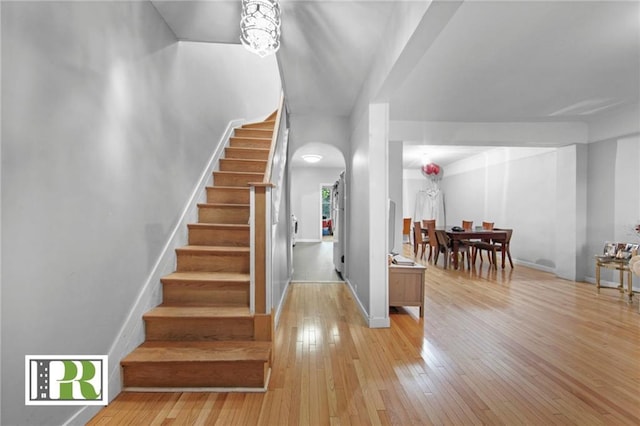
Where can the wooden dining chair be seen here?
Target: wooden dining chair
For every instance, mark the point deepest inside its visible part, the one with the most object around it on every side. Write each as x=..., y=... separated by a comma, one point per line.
x=507, y=243
x=444, y=247
x=466, y=245
x=426, y=222
x=419, y=240
x=487, y=226
x=432, y=240
x=494, y=247
x=406, y=230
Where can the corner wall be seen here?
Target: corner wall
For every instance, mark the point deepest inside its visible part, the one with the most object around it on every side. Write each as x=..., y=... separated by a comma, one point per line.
x=108, y=123
x=613, y=198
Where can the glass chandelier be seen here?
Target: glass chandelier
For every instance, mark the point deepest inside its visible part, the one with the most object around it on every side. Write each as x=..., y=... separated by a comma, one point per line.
x=260, y=26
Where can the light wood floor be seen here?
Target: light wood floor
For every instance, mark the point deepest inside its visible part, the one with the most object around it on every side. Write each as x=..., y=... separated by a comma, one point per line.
x=314, y=262
x=495, y=347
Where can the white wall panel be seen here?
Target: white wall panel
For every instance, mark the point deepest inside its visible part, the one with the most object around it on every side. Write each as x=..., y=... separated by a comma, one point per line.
x=108, y=123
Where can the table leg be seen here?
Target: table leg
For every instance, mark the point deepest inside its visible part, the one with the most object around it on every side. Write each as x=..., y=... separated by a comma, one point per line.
x=621, y=286
x=455, y=253
x=597, y=277
x=504, y=254
x=630, y=285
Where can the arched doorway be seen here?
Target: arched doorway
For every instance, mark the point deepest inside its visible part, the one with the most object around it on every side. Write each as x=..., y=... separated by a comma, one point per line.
x=311, y=204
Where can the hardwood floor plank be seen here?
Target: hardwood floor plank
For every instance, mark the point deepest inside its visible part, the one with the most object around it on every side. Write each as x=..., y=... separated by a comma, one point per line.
x=494, y=347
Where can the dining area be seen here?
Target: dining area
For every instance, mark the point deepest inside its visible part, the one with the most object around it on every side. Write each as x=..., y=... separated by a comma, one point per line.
x=460, y=245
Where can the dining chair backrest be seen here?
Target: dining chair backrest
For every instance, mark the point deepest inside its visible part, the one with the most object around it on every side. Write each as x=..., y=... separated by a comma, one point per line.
x=509, y=233
x=505, y=245
x=443, y=239
x=426, y=222
x=406, y=226
x=467, y=225
x=417, y=232
x=431, y=233
x=487, y=226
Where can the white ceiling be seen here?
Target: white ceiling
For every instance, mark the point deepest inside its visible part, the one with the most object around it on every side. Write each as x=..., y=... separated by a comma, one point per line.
x=492, y=61
x=526, y=61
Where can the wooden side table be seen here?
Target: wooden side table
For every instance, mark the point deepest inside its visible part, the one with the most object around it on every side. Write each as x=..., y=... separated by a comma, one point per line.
x=621, y=265
x=406, y=286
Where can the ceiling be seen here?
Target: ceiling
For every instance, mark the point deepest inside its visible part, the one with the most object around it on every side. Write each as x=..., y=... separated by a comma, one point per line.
x=491, y=61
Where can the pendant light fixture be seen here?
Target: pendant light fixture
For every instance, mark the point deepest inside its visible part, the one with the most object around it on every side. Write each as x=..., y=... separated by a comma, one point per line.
x=260, y=26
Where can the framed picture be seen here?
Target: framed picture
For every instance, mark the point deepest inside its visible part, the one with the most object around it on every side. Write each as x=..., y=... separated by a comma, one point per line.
x=622, y=251
x=609, y=249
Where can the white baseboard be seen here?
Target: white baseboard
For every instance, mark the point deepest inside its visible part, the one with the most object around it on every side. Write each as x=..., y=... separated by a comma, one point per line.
x=363, y=311
x=610, y=284
x=276, y=320
x=379, y=322
x=534, y=266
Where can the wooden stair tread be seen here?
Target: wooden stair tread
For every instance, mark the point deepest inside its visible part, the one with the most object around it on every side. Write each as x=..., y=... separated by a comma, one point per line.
x=233, y=173
x=211, y=205
x=199, y=351
x=245, y=148
x=244, y=160
x=254, y=138
x=197, y=276
x=227, y=188
x=163, y=311
x=214, y=249
x=221, y=226
x=259, y=123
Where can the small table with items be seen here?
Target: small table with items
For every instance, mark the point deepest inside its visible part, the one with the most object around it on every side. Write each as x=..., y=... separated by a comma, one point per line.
x=616, y=256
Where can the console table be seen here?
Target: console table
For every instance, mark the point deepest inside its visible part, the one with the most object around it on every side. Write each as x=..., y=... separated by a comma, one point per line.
x=406, y=286
x=621, y=265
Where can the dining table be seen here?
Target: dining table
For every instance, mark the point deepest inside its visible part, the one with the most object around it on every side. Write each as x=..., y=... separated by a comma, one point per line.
x=497, y=236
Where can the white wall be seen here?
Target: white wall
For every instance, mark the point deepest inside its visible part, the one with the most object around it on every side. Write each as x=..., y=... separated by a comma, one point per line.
x=396, y=193
x=378, y=215
x=627, y=195
x=358, y=239
x=306, y=184
x=367, y=174
x=108, y=123
x=514, y=188
x=317, y=128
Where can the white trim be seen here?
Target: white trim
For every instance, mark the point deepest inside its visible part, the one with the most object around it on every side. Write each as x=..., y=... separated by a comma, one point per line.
x=252, y=249
x=384, y=322
x=307, y=240
x=268, y=251
x=532, y=266
x=276, y=320
x=363, y=311
x=372, y=322
x=606, y=284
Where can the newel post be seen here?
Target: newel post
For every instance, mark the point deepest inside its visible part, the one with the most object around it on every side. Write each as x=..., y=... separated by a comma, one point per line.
x=260, y=218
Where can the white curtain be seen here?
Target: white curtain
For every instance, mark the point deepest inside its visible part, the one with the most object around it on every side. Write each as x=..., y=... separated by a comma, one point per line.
x=430, y=204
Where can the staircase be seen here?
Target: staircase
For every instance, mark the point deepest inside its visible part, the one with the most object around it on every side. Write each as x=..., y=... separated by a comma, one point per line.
x=204, y=335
